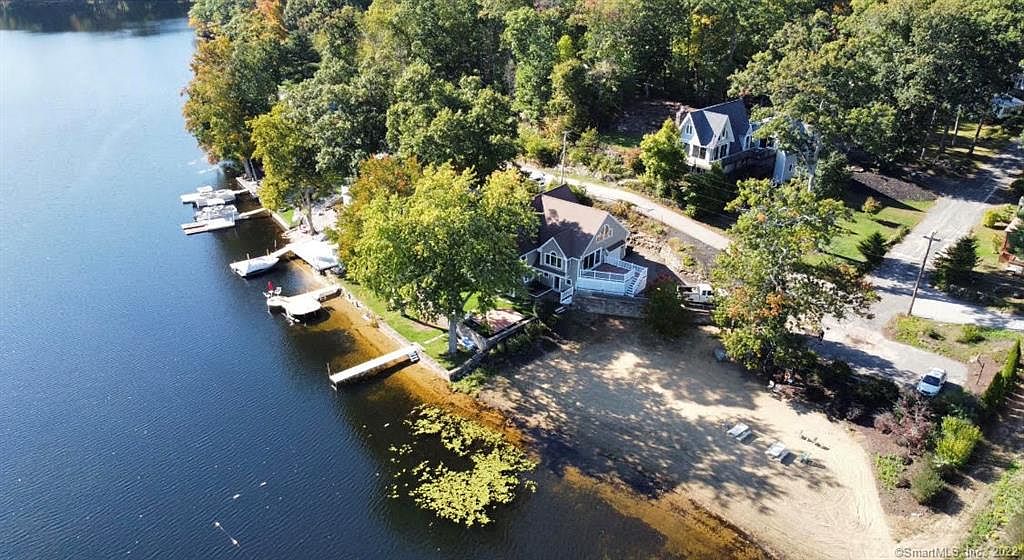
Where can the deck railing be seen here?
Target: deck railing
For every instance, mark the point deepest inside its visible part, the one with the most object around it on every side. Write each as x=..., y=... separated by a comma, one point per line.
x=608, y=276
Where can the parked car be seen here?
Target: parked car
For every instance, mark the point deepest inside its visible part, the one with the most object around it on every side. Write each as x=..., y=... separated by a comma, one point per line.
x=932, y=382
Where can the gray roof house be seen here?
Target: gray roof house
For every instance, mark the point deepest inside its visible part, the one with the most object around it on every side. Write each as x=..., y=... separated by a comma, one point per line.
x=723, y=134
x=578, y=247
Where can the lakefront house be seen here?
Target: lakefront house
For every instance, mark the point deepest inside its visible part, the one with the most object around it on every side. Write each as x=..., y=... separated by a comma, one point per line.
x=723, y=134
x=578, y=247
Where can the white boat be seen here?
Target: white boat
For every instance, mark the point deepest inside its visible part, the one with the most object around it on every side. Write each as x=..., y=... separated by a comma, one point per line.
x=226, y=211
x=251, y=267
x=206, y=196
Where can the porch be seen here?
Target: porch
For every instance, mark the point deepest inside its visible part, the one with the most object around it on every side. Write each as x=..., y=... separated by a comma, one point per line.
x=613, y=276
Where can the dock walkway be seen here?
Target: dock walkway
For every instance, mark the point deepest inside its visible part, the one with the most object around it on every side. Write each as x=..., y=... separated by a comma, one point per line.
x=402, y=355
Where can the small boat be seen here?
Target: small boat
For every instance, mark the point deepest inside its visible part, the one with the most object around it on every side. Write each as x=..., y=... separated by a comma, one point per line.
x=296, y=308
x=226, y=211
x=207, y=196
x=251, y=267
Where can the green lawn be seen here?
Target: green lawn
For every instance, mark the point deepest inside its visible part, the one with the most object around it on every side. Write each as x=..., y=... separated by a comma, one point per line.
x=887, y=222
x=433, y=339
x=941, y=338
x=989, y=242
x=289, y=216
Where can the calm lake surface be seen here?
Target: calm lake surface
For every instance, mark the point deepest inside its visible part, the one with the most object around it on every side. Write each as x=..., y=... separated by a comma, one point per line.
x=145, y=393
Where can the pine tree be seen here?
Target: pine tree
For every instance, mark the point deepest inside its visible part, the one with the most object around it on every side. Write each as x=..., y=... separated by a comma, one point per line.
x=873, y=249
x=955, y=265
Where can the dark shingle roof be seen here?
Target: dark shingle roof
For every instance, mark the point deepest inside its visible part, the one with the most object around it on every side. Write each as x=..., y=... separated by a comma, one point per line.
x=708, y=120
x=563, y=218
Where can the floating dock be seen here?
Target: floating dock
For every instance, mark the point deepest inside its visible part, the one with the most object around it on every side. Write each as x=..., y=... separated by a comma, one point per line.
x=320, y=255
x=207, y=225
x=222, y=220
x=301, y=305
x=409, y=354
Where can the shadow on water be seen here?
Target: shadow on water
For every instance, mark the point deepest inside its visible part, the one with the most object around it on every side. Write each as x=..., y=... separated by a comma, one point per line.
x=142, y=17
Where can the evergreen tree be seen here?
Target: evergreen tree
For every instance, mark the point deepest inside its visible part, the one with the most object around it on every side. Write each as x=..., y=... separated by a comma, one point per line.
x=955, y=265
x=873, y=249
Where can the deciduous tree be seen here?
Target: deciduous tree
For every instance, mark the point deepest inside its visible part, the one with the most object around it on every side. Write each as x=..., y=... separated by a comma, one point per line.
x=770, y=289
x=429, y=252
x=289, y=159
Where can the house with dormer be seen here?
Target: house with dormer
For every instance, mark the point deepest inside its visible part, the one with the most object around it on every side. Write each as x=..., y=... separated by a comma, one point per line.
x=719, y=134
x=578, y=247
x=723, y=134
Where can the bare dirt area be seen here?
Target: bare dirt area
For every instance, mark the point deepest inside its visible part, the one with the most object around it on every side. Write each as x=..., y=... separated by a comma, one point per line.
x=622, y=406
x=644, y=117
x=891, y=187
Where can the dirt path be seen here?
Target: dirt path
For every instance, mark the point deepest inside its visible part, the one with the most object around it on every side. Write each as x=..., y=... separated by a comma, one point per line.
x=647, y=207
x=653, y=415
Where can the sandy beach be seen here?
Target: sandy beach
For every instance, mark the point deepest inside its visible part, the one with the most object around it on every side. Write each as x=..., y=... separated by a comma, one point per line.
x=689, y=530
x=651, y=415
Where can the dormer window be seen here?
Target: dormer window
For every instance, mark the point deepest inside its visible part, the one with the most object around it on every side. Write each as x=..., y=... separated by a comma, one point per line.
x=553, y=260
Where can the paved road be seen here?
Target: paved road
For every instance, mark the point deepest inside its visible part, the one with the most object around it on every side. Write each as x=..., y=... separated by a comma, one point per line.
x=952, y=216
x=646, y=206
x=860, y=342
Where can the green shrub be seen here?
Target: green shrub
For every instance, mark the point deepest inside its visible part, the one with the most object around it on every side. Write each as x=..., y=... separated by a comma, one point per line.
x=957, y=438
x=471, y=383
x=890, y=469
x=873, y=249
x=899, y=235
x=1002, y=383
x=665, y=313
x=997, y=216
x=581, y=194
x=875, y=393
x=970, y=334
x=926, y=483
x=545, y=151
x=954, y=266
x=954, y=401
x=871, y=206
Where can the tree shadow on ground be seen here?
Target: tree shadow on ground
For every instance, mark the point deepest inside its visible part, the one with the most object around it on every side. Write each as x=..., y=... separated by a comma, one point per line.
x=609, y=406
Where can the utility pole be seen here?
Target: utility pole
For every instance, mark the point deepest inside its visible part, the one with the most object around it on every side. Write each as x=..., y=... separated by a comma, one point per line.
x=561, y=165
x=920, y=273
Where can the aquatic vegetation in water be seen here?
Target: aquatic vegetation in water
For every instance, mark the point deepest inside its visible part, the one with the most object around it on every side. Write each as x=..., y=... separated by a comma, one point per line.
x=485, y=468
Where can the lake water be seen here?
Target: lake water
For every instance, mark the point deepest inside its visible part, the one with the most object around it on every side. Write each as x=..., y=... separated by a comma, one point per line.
x=145, y=393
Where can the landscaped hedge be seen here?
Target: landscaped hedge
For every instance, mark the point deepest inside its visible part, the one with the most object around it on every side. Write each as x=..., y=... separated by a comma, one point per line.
x=957, y=439
x=1003, y=382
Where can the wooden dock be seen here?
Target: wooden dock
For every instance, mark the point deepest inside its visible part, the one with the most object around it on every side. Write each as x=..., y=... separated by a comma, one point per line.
x=410, y=354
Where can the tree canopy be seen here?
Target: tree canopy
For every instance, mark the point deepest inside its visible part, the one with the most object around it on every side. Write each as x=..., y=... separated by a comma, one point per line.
x=429, y=252
x=770, y=290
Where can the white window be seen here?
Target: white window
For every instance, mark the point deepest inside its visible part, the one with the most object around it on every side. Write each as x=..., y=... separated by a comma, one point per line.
x=592, y=260
x=746, y=142
x=604, y=233
x=687, y=129
x=553, y=260
x=702, y=153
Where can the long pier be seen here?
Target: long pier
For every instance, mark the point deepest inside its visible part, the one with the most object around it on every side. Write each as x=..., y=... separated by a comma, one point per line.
x=410, y=354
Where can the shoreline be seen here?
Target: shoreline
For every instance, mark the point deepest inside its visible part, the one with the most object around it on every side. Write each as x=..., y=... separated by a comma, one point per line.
x=676, y=517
